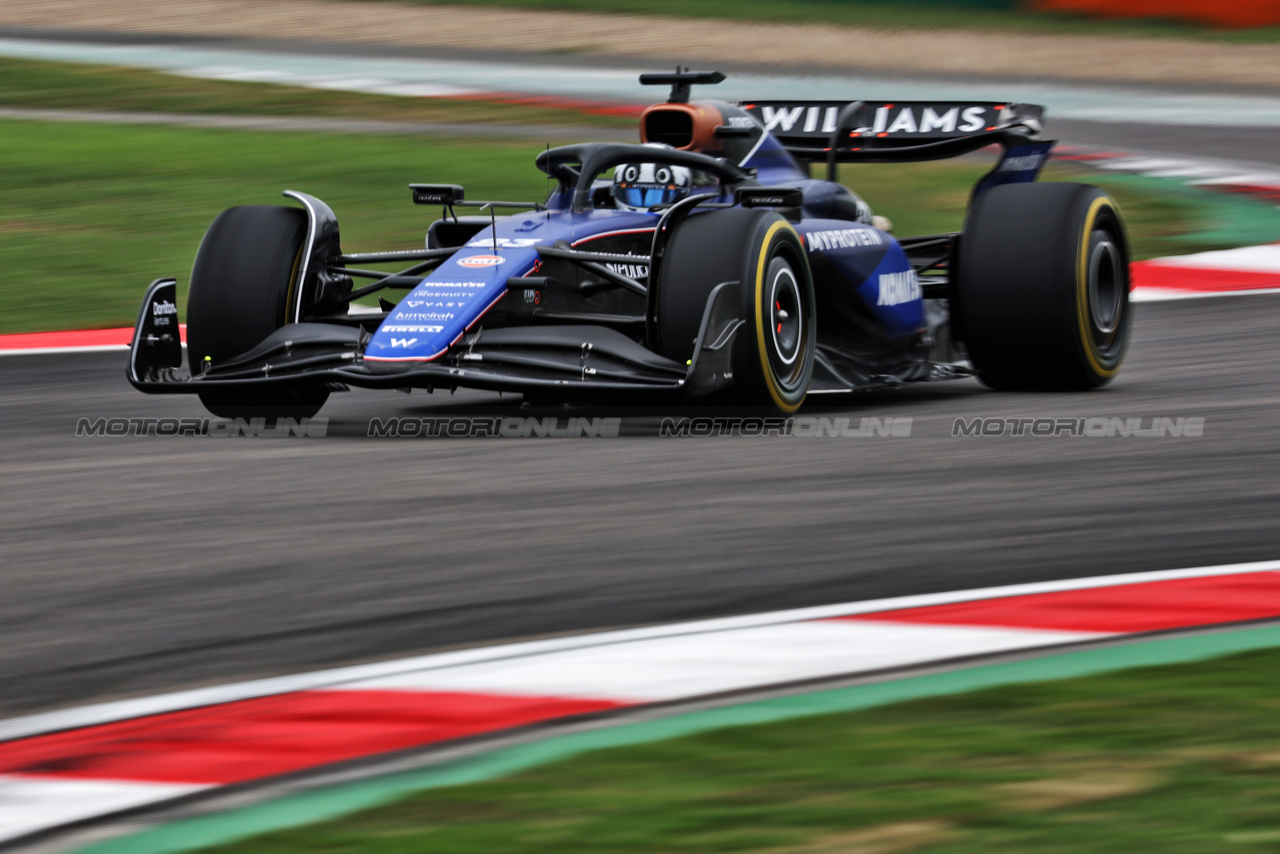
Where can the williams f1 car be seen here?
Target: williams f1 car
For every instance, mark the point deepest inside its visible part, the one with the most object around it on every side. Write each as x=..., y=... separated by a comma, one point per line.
x=706, y=261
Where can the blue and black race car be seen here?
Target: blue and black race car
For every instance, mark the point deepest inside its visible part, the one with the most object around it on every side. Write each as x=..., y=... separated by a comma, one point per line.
x=705, y=262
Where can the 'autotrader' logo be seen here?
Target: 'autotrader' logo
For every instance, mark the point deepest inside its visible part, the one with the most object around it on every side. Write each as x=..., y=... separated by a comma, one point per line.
x=481, y=261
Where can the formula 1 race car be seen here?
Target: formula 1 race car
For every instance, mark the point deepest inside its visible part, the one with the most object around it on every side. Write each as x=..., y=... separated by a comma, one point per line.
x=704, y=262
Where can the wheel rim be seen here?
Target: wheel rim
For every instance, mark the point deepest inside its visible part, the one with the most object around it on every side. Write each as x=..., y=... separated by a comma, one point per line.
x=785, y=320
x=1105, y=284
x=1106, y=294
x=786, y=306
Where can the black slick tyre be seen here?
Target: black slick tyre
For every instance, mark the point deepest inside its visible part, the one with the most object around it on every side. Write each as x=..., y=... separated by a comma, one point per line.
x=242, y=285
x=775, y=348
x=1042, y=287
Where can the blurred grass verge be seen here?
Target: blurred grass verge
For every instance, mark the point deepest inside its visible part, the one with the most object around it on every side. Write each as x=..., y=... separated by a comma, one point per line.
x=896, y=14
x=94, y=212
x=1180, y=758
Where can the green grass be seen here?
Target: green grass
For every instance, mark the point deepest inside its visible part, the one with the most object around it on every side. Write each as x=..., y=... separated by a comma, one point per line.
x=1182, y=758
x=55, y=85
x=893, y=14
x=94, y=212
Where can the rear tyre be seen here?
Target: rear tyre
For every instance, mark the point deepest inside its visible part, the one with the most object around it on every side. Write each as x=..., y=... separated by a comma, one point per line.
x=775, y=348
x=242, y=286
x=1042, y=287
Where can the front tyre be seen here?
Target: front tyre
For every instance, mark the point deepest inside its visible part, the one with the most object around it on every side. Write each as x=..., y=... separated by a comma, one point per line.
x=775, y=349
x=242, y=284
x=1042, y=287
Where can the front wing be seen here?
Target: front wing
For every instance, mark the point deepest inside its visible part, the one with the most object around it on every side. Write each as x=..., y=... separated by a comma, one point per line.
x=519, y=359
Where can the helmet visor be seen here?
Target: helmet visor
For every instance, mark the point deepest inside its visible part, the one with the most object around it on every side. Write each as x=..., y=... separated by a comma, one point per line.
x=640, y=196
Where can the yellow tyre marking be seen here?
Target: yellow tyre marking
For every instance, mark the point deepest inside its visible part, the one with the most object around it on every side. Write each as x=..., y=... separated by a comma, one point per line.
x=1082, y=289
x=760, y=347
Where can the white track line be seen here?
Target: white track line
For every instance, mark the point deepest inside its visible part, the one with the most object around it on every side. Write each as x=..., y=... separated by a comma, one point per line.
x=96, y=348
x=28, y=804
x=1245, y=259
x=1171, y=295
x=675, y=668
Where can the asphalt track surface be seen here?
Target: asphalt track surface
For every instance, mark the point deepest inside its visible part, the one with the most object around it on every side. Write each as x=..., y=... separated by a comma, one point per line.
x=135, y=565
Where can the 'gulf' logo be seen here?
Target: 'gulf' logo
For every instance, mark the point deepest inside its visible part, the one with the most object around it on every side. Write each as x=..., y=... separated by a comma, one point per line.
x=481, y=261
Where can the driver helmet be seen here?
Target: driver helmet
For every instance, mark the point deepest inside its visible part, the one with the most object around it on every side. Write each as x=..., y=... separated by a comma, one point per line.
x=644, y=186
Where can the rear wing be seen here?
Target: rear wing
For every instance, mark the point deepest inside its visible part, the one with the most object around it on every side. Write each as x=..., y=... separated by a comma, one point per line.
x=906, y=131
x=869, y=131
